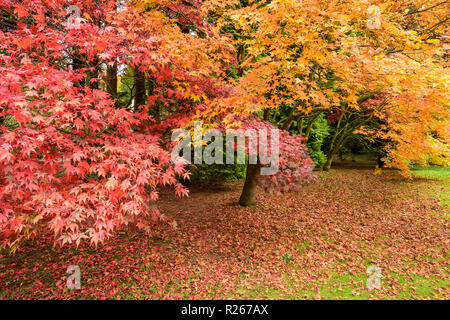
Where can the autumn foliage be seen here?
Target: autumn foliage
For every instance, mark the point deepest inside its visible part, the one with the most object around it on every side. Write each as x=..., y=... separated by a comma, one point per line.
x=324, y=56
x=71, y=161
x=77, y=162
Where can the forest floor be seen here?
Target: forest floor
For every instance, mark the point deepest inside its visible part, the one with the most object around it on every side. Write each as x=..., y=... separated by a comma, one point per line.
x=316, y=244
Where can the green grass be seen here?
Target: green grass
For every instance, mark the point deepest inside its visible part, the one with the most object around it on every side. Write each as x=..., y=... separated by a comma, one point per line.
x=347, y=286
x=417, y=287
x=432, y=172
x=436, y=183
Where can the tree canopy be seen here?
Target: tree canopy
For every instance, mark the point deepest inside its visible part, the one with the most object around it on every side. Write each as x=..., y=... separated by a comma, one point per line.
x=89, y=96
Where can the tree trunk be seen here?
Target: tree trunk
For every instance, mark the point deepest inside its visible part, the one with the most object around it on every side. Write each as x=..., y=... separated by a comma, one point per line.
x=78, y=63
x=333, y=151
x=380, y=162
x=111, y=80
x=289, y=120
x=327, y=165
x=310, y=123
x=139, y=86
x=249, y=191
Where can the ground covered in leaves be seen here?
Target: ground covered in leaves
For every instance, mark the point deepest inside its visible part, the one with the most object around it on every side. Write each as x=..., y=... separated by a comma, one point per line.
x=315, y=244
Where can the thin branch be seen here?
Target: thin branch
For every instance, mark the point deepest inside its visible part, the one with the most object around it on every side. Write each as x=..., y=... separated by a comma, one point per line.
x=420, y=11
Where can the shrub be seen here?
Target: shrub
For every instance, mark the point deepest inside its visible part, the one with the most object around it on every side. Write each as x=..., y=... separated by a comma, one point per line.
x=217, y=172
x=319, y=131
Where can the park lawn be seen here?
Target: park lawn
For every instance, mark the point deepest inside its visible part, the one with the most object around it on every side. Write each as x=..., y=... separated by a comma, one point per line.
x=436, y=182
x=314, y=244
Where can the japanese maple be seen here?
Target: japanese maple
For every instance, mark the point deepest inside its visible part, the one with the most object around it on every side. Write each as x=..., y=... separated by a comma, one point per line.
x=311, y=57
x=73, y=161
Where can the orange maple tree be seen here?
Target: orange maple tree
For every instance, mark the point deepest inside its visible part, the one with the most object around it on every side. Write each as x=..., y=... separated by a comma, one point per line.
x=313, y=56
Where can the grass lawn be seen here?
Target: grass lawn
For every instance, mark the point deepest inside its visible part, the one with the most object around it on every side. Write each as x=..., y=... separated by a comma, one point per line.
x=315, y=244
x=436, y=183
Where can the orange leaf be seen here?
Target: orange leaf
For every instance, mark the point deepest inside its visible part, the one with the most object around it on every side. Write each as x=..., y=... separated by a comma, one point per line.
x=21, y=11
